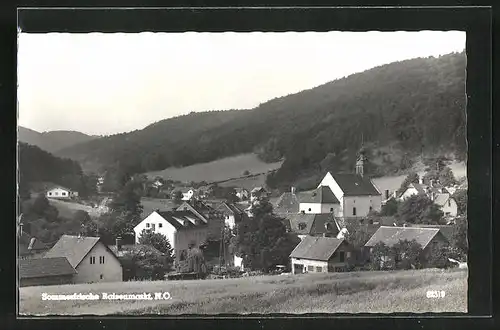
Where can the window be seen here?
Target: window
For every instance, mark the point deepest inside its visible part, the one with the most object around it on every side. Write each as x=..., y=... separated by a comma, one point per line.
x=92, y=260
x=386, y=194
x=63, y=193
x=309, y=210
x=371, y=208
x=153, y=226
x=331, y=209
x=101, y=276
x=341, y=256
x=101, y=259
x=302, y=226
x=319, y=269
x=160, y=225
x=147, y=225
x=310, y=268
x=353, y=211
x=449, y=202
x=50, y=194
x=185, y=208
x=182, y=255
x=56, y=193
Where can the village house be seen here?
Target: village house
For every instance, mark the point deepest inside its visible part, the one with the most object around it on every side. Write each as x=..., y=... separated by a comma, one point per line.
x=232, y=214
x=61, y=193
x=320, y=255
x=425, y=236
x=320, y=200
x=90, y=257
x=447, y=204
x=242, y=193
x=312, y=225
x=45, y=271
x=182, y=228
x=257, y=193
x=287, y=203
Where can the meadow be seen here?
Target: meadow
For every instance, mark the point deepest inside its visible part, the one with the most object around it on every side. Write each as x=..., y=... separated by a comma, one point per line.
x=219, y=170
x=354, y=292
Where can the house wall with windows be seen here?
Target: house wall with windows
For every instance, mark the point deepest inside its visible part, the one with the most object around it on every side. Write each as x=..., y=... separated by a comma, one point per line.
x=58, y=193
x=157, y=224
x=360, y=206
x=99, y=265
x=318, y=208
x=300, y=266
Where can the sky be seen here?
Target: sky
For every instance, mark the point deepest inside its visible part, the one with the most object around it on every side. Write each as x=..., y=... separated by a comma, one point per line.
x=104, y=84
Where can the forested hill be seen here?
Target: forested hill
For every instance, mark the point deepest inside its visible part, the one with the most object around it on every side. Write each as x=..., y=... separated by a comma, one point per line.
x=53, y=140
x=39, y=166
x=415, y=105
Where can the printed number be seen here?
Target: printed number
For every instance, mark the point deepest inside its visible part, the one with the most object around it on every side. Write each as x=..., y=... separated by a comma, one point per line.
x=435, y=294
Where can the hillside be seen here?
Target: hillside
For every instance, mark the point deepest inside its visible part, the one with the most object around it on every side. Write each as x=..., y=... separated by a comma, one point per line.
x=219, y=170
x=417, y=107
x=52, y=141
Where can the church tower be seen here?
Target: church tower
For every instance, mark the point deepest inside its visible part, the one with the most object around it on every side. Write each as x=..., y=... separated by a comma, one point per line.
x=360, y=163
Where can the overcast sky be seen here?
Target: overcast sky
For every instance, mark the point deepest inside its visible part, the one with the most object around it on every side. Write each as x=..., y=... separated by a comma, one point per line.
x=111, y=83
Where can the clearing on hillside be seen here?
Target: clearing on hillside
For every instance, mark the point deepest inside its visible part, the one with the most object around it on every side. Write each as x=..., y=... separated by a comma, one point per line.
x=218, y=170
x=353, y=292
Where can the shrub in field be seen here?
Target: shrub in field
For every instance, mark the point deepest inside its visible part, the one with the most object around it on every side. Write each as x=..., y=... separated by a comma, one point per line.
x=407, y=254
x=381, y=257
x=144, y=265
x=437, y=257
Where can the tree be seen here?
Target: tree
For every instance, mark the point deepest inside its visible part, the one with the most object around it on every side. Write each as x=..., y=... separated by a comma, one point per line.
x=459, y=237
x=262, y=240
x=460, y=197
x=144, y=264
x=419, y=209
x=128, y=201
x=390, y=208
x=381, y=257
x=410, y=178
x=407, y=254
x=437, y=256
x=156, y=240
x=446, y=177
x=178, y=197
x=82, y=217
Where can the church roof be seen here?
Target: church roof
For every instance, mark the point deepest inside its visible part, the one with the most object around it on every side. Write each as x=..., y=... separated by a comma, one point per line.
x=321, y=195
x=355, y=185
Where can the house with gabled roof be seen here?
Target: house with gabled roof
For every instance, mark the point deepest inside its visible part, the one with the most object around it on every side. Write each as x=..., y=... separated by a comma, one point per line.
x=304, y=224
x=320, y=255
x=59, y=192
x=413, y=189
x=287, y=203
x=182, y=228
x=447, y=204
x=427, y=237
x=45, y=271
x=232, y=214
x=90, y=257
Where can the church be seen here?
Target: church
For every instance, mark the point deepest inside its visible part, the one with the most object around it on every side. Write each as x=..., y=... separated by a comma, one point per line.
x=355, y=194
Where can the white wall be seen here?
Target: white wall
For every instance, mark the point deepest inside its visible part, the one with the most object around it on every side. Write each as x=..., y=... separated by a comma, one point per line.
x=187, y=196
x=362, y=205
x=58, y=193
x=307, y=262
x=452, y=209
x=317, y=208
x=154, y=218
x=111, y=269
x=229, y=221
x=408, y=193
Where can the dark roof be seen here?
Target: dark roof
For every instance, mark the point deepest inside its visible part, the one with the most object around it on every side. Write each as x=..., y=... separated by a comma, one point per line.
x=445, y=230
x=392, y=235
x=355, y=185
x=182, y=219
x=316, y=248
x=31, y=268
x=314, y=223
x=74, y=248
x=321, y=195
x=229, y=208
x=134, y=248
x=287, y=203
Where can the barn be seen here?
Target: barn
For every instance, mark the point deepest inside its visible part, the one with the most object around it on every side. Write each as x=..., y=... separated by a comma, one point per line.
x=45, y=271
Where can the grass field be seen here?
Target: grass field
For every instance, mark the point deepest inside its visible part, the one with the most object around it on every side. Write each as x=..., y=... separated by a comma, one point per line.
x=356, y=292
x=219, y=170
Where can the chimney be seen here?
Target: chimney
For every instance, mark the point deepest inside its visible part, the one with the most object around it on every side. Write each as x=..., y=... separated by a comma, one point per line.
x=292, y=190
x=118, y=243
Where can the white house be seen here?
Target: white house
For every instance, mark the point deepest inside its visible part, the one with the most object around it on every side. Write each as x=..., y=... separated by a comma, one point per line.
x=414, y=189
x=181, y=228
x=320, y=255
x=231, y=213
x=90, y=257
x=61, y=193
x=242, y=193
x=320, y=200
x=447, y=204
x=257, y=192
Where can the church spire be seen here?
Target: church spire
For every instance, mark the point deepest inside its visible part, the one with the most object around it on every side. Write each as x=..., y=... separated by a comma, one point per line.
x=360, y=163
